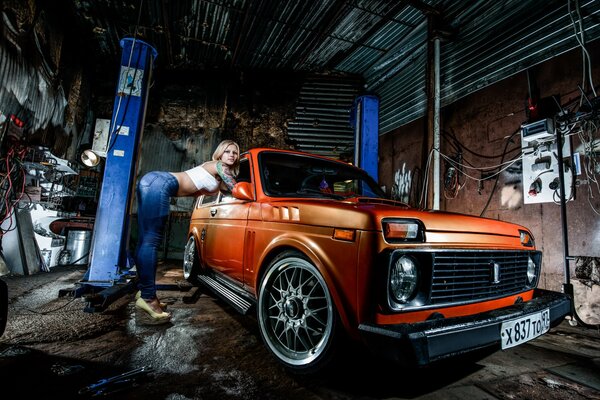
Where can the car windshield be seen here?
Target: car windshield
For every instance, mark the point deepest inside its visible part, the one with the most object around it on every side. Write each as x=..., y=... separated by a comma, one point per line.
x=293, y=175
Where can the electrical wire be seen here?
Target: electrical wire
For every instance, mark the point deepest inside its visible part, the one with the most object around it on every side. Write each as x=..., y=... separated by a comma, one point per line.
x=115, y=132
x=44, y=312
x=505, y=165
x=452, y=184
x=12, y=185
x=580, y=37
x=424, y=190
x=461, y=146
x=502, y=165
x=588, y=127
x=587, y=138
x=487, y=204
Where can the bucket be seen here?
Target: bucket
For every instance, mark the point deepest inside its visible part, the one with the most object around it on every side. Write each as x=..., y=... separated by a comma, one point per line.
x=64, y=257
x=78, y=245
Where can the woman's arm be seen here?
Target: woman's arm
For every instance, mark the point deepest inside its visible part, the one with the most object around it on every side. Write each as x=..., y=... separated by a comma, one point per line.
x=226, y=176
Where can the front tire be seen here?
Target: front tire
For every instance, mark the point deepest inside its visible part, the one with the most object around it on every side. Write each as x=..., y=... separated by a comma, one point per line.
x=296, y=315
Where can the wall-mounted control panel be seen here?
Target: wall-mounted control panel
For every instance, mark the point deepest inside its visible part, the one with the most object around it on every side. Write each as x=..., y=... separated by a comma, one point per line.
x=540, y=163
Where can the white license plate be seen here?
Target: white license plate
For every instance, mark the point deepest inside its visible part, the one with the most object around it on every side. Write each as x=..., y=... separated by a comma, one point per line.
x=518, y=331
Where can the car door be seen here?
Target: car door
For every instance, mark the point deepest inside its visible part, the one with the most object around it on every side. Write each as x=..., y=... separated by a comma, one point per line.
x=223, y=241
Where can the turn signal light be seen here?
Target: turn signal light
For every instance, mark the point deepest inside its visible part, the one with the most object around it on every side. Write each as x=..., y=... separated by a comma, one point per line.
x=344, y=234
x=526, y=239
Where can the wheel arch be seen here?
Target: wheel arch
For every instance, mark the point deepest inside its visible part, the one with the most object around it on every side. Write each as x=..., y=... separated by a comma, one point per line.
x=283, y=244
x=193, y=231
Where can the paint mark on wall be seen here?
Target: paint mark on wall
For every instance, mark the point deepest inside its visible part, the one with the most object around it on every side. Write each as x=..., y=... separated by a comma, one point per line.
x=511, y=194
x=402, y=184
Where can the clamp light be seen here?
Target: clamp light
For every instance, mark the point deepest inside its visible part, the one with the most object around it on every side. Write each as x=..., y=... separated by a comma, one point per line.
x=89, y=158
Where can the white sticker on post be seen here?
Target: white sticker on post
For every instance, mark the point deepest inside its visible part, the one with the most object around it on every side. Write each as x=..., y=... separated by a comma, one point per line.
x=119, y=153
x=130, y=81
x=123, y=130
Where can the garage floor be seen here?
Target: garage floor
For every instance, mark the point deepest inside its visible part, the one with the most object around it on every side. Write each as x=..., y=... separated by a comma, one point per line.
x=52, y=348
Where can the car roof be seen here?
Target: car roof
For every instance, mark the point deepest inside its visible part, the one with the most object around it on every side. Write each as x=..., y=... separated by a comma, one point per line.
x=255, y=151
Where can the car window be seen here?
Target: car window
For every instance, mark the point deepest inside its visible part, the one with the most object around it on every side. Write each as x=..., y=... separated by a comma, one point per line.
x=227, y=198
x=289, y=175
x=209, y=199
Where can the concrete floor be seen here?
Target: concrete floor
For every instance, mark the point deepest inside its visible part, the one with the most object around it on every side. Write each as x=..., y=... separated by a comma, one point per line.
x=52, y=349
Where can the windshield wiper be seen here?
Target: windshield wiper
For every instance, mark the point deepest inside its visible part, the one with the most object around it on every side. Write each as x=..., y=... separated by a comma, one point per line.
x=320, y=193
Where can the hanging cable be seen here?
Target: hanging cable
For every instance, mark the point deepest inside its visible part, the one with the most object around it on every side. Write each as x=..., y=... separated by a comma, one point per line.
x=487, y=204
x=562, y=128
x=426, y=182
x=12, y=184
x=580, y=37
x=114, y=128
x=452, y=184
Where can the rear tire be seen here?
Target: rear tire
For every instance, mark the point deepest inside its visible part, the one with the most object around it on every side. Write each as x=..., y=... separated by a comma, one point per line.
x=191, y=263
x=3, y=306
x=296, y=315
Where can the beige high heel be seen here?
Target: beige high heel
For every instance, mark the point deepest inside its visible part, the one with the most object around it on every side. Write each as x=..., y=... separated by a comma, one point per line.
x=138, y=295
x=146, y=315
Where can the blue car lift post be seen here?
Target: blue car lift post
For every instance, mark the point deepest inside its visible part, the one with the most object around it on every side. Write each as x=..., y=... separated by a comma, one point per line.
x=366, y=134
x=109, y=275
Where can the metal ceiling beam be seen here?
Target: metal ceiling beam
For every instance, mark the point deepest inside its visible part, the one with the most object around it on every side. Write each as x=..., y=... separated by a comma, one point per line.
x=424, y=7
x=241, y=34
x=339, y=57
x=330, y=19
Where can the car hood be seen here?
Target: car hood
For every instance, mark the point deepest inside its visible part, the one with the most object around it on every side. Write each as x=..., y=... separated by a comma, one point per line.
x=367, y=215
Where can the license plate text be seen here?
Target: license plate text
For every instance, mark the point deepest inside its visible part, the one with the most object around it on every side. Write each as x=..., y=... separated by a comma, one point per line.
x=523, y=329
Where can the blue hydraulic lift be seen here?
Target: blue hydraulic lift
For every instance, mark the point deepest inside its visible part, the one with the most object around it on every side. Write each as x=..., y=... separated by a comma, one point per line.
x=366, y=134
x=110, y=274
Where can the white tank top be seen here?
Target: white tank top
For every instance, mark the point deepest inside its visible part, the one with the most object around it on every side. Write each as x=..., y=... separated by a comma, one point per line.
x=202, y=179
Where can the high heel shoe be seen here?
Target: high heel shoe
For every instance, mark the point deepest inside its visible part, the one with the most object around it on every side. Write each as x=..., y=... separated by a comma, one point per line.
x=147, y=315
x=138, y=295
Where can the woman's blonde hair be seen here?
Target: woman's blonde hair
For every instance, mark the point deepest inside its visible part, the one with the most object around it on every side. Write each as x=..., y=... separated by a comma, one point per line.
x=220, y=150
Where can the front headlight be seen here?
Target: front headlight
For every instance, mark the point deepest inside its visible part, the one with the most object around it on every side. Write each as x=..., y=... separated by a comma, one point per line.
x=403, y=279
x=531, y=271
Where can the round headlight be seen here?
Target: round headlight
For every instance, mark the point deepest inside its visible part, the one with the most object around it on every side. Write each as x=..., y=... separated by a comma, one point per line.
x=403, y=279
x=531, y=269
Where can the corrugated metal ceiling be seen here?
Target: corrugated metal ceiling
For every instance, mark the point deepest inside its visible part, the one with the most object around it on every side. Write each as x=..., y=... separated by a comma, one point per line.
x=383, y=42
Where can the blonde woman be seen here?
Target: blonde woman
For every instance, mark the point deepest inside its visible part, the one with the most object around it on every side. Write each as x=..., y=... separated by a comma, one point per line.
x=154, y=192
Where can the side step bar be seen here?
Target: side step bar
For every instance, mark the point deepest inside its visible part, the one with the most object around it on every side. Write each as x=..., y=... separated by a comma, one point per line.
x=232, y=298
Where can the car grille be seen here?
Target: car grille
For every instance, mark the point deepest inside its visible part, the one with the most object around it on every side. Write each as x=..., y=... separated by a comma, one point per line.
x=462, y=276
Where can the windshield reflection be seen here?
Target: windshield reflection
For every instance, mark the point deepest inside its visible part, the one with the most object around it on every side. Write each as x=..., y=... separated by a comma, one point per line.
x=290, y=175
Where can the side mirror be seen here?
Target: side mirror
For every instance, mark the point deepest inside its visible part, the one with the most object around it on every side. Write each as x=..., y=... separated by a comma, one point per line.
x=243, y=191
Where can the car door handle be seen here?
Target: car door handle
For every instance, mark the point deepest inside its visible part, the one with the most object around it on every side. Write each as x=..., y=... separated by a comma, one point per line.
x=213, y=212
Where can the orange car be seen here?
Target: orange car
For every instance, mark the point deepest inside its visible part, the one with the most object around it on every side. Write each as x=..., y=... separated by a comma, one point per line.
x=314, y=247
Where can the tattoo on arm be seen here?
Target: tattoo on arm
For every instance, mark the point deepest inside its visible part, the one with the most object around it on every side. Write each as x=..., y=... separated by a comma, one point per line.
x=227, y=179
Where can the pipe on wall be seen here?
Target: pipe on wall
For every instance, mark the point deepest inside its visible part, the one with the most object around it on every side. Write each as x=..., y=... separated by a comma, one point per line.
x=436, y=124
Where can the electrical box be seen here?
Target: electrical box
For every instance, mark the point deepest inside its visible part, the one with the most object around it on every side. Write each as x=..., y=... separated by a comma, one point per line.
x=540, y=164
x=539, y=130
x=101, y=135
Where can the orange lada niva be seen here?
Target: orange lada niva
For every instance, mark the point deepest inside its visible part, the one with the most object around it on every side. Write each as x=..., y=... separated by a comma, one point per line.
x=316, y=250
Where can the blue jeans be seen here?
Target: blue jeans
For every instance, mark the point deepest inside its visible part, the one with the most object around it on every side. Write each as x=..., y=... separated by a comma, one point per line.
x=154, y=193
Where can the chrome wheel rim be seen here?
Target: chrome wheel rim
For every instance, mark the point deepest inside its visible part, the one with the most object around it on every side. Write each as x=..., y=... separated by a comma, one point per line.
x=295, y=311
x=189, y=255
